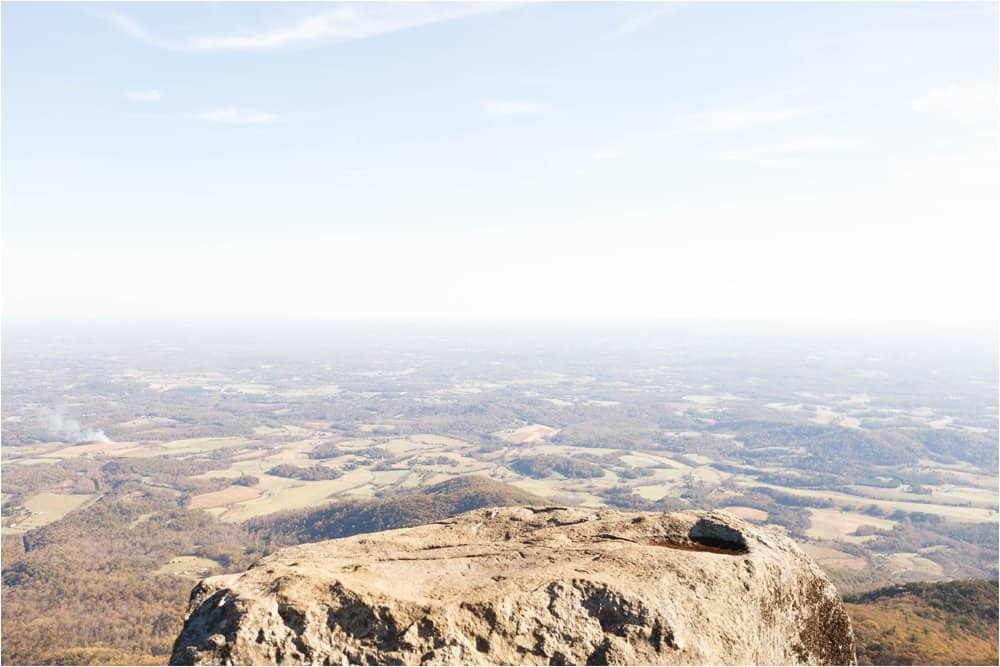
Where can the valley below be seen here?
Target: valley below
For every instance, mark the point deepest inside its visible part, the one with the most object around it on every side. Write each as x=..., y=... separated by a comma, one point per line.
x=132, y=468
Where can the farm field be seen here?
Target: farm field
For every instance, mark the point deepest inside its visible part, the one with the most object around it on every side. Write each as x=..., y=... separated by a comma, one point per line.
x=832, y=524
x=961, y=514
x=830, y=558
x=748, y=513
x=224, y=498
x=45, y=508
x=528, y=434
x=958, y=496
x=189, y=567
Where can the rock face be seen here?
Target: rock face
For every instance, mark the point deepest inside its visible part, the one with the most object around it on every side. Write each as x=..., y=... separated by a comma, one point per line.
x=523, y=585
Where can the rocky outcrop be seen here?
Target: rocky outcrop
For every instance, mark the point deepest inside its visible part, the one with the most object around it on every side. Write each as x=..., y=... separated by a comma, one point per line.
x=523, y=585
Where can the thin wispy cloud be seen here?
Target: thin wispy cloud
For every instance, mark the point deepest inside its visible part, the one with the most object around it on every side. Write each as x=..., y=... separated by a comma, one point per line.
x=629, y=144
x=948, y=10
x=514, y=108
x=732, y=120
x=642, y=20
x=765, y=113
x=609, y=152
x=348, y=22
x=232, y=116
x=145, y=96
x=968, y=102
x=788, y=153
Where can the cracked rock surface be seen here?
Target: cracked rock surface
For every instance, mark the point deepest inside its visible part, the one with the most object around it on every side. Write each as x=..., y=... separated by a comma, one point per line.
x=528, y=585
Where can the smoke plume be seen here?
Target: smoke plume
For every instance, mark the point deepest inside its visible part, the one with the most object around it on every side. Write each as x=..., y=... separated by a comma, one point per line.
x=69, y=430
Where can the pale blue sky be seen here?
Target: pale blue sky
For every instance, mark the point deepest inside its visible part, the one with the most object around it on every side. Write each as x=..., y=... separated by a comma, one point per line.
x=816, y=161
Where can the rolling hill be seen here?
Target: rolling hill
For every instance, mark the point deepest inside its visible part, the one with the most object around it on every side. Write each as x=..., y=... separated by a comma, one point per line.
x=403, y=510
x=949, y=623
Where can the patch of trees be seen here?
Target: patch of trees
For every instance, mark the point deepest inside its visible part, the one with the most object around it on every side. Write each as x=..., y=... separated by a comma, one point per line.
x=915, y=517
x=625, y=498
x=831, y=445
x=545, y=465
x=971, y=447
x=160, y=466
x=791, y=499
x=984, y=535
x=603, y=434
x=311, y=474
x=705, y=445
x=74, y=475
x=376, y=454
x=878, y=481
x=802, y=479
x=325, y=450
x=427, y=460
x=633, y=472
x=874, y=510
x=794, y=519
x=350, y=517
x=735, y=469
x=929, y=477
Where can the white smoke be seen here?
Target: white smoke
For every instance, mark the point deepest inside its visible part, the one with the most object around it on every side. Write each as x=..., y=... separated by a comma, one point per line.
x=68, y=430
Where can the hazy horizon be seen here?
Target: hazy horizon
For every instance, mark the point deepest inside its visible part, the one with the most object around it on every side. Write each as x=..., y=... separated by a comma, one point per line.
x=792, y=327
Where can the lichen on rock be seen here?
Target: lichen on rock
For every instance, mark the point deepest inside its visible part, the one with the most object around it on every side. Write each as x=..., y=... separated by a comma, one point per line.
x=528, y=585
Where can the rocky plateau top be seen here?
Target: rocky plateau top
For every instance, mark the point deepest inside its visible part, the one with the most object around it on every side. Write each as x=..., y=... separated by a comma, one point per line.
x=528, y=585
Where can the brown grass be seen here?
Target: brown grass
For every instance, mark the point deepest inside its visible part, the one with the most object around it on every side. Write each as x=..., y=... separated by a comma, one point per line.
x=527, y=434
x=749, y=513
x=224, y=498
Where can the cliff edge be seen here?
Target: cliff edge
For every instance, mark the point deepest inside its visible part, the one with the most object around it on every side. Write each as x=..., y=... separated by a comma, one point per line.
x=528, y=585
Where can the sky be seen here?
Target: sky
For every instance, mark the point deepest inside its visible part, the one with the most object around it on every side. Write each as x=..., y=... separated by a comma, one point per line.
x=603, y=161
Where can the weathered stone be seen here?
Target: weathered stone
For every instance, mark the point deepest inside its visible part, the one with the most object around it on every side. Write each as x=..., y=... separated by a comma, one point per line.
x=524, y=585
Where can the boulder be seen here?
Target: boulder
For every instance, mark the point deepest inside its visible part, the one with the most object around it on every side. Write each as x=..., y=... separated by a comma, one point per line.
x=528, y=585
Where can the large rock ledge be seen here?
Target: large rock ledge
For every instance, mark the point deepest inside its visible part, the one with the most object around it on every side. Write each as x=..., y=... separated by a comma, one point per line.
x=528, y=585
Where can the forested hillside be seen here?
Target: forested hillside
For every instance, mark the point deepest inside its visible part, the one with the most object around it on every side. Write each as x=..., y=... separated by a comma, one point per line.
x=105, y=584
x=350, y=517
x=949, y=623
